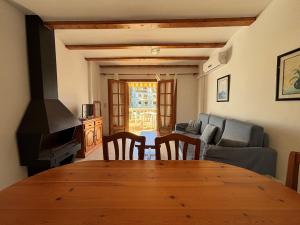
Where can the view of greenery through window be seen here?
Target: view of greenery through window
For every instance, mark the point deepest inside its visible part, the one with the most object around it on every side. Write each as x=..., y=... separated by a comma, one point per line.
x=142, y=106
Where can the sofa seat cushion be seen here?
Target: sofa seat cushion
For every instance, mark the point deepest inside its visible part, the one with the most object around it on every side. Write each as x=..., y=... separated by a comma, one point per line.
x=193, y=127
x=232, y=143
x=241, y=134
x=208, y=133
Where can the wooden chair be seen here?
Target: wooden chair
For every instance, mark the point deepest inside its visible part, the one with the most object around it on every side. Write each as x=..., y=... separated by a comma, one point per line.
x=176, y=138
x=124, y=135
x=293, y=170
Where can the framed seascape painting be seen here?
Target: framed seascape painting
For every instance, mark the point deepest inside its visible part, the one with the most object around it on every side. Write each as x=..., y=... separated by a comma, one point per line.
x=223, y=87
x=288, y=76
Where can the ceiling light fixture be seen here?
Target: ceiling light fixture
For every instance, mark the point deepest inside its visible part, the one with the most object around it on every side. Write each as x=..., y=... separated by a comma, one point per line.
x=155, y=50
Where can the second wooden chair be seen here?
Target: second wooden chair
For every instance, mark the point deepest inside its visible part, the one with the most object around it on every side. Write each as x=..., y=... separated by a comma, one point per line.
x=293, y=170
x=186, y=140
x=123, y=136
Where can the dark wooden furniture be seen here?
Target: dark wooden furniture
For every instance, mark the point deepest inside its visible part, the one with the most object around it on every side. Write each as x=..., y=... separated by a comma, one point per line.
x=293, y=170
x=91, y=136
x=177, y=138
x=149, y=192
x=123, y=136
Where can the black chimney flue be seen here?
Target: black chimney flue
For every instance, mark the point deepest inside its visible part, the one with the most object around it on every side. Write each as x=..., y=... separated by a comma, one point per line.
x=46, y=135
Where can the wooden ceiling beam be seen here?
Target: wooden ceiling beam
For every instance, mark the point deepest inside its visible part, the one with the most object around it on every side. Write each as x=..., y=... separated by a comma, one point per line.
x=148, y=58
x=142, y=24
x=148, y=66
x=137, y=46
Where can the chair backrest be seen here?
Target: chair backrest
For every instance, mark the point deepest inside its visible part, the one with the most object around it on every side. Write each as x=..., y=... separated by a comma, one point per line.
x=186, y=140
x=293, y=170
x=123, y=136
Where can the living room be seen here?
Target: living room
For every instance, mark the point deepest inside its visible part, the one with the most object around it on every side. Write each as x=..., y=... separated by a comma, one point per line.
x=249, y=84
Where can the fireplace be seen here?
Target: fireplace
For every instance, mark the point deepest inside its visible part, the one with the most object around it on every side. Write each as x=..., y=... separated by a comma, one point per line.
x=47, y=133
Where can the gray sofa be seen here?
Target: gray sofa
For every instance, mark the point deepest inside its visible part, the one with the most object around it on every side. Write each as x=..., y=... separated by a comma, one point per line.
x=249, y=144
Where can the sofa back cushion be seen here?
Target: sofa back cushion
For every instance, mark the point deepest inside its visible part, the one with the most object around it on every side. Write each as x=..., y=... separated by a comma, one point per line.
x=241, y=134
x=193, y=127
x=203, y=120
x=218, y=122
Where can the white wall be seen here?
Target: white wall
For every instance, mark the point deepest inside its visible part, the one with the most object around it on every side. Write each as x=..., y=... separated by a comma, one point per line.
x=72, y=77
x=253, y=78
x=187, y=89
x=14, y=90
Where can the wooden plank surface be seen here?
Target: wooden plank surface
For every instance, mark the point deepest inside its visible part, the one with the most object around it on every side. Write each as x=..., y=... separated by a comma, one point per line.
x=151, y=24
x=141, y=46
x=148, y=192
x=163, y=58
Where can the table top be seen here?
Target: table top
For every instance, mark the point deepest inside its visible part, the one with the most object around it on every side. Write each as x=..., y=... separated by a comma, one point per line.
x=148, y=192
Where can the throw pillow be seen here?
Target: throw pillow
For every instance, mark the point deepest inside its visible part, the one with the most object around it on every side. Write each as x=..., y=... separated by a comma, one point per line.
x=208, y=133
x=193, y=127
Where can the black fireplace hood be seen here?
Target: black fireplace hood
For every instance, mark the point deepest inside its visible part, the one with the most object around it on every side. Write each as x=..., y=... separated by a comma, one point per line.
x=45, y=114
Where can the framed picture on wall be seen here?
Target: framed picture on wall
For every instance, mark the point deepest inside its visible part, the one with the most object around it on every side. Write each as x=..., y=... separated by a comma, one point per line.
x=288, y=76
x=223, y=87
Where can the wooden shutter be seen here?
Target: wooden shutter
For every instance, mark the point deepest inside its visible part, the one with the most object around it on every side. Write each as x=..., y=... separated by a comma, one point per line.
x=166, y=106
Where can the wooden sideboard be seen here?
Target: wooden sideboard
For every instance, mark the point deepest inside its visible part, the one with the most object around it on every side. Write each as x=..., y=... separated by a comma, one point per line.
x=90, y=135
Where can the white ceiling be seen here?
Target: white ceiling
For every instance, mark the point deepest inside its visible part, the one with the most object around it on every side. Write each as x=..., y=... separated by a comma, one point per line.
x=142, y=9
x=101, y=10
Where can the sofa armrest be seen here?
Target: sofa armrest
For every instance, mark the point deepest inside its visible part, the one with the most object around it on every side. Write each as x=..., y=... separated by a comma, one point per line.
x=258, y=159
x=181, y=126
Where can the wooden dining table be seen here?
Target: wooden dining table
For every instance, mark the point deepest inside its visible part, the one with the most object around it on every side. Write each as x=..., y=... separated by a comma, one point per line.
x=148, y=192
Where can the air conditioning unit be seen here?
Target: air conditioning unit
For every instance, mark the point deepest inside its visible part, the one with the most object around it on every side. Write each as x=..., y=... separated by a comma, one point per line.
x=215, y=61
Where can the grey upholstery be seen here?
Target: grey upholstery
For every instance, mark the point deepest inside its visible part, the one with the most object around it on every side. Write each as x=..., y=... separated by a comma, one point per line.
x=254, y=155
x=193, y=127
x=181, y=127
x=258, y=159
x=203, y=118
x=219, y=122
x=250, y=134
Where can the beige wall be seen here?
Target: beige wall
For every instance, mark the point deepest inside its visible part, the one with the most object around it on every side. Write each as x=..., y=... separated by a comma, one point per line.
x=187, y=89
x=72, y=77
x=253, y=78
x=14, y=90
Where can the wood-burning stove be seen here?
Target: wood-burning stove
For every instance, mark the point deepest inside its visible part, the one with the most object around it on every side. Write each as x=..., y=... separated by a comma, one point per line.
x=47, y=133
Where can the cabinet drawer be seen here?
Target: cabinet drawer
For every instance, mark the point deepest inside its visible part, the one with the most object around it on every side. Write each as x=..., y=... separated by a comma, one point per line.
x=98, y=122
x=88, y=126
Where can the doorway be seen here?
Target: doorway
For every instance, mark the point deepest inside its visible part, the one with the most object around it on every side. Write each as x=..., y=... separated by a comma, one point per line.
x=142, y=105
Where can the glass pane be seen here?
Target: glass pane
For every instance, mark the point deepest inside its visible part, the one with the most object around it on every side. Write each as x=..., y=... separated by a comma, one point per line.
x=162, y=99
x=115, y=110
x=121, y=121
x=169, y=110
x=162, y=87
x=168, y=87
x=115, y=87
x=169, y=99
x=115, y=98
x=168, y=121
x=122, y=87
x=162, y=118
x=162, y=110
x=122, y=110
x=115, y=121
x=121, y=99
